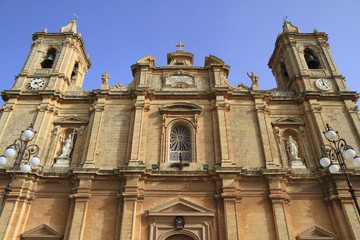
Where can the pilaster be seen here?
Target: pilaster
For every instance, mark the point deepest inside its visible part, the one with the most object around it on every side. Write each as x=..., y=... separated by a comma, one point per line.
x=43, y=123
x=230, y=196
x=18, y=204
x=140, y=106
x=349, y=210
x=221, y=106
x=279, y=199
x=130, y=196
x=97, y=109
x=261, y=109
x=81, y=199
x=5, y=116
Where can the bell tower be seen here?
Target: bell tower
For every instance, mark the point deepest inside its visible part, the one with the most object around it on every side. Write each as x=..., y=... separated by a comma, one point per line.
x=303, y=62
x=57, y=61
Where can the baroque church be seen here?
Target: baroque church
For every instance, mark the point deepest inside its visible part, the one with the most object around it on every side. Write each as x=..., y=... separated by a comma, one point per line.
x=179, y=153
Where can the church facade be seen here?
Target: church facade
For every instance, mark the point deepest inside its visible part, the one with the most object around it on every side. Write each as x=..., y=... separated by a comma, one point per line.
x=179, y=153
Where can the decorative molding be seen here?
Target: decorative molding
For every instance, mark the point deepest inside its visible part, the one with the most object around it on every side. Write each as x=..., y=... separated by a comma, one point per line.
x=353, y=109
x=262, y=108
x=42, y=231
x=97, y=107
x=50, y=108
x=7, y=108
x=180, y=107
x=179, y=79
x=288, y=121
x=71, y=120
x=279, y=93
x=222, y=106
x=316, y=233
x=180, y=206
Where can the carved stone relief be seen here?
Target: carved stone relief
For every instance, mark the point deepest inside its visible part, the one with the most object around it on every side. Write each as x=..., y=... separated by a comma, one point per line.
x=180, y=79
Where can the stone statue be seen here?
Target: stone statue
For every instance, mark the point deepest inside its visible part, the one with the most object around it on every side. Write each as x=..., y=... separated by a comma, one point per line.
x=105, y=80
x=292, y=148
x=68, y=145
x=254, y=80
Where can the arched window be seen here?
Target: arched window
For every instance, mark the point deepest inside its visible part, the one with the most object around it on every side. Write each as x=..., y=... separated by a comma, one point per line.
x=180, y=143
x=311, y=59
x=49, y=59
x=75, y=71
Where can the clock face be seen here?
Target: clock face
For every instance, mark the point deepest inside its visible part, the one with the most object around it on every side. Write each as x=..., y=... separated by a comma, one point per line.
x=323, y=84
x=36, y=83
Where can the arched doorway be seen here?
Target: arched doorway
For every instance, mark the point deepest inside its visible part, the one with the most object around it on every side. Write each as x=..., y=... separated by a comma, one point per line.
x=179, y=237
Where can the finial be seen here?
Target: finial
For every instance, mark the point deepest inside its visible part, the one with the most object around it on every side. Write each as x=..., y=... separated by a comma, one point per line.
x=180, y=45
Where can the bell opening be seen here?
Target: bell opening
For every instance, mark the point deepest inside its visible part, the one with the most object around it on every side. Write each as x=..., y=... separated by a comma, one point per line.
x=311, y=60
x=49, y=60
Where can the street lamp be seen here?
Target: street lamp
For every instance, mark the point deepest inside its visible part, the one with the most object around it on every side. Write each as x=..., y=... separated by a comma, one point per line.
x=339, y=150
x=22, y=152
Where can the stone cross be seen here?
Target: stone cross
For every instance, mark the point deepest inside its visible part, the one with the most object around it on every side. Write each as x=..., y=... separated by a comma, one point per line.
x=180, y=45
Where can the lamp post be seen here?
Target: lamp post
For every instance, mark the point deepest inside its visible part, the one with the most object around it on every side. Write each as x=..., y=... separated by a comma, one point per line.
x=338, y=150
x=21, y=150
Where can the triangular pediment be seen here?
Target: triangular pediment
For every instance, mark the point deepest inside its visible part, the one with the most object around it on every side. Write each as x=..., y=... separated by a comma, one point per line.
x=288, y=121
x=42, y=231
x=70, y=120
x=180, y=206
x=316, y=233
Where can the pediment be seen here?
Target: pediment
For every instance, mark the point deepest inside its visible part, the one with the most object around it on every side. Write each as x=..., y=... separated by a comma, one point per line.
x=180, y=206
x=42, y=231
x=316, y=233
x=213, y=60
x=288, y=121
x=70, y=120
x=147, y=60
x=180, y=107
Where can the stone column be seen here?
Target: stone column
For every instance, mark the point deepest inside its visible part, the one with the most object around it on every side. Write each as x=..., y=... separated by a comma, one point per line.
x=98, y=110
x=129, y=209
x=81, y=200
x=279, y=200
x=140, y=106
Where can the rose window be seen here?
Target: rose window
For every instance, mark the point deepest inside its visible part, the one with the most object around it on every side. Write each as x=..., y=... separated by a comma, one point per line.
x=180, y=143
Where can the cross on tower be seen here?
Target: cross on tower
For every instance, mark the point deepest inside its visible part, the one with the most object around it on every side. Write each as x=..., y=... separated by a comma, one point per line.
x=180, y=45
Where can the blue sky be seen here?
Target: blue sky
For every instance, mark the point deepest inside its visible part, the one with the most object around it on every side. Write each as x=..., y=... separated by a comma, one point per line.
x=118, y=33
